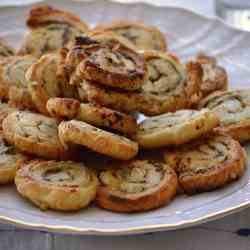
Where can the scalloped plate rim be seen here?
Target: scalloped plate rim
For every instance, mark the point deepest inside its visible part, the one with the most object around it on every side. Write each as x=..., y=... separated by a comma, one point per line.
x=134, y=229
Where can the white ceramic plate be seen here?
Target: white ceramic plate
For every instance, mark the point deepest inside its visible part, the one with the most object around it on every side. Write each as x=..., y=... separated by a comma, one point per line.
x=187, y=33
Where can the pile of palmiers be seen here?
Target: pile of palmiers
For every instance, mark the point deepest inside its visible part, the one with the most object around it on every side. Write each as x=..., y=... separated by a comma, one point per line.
x=71, y=89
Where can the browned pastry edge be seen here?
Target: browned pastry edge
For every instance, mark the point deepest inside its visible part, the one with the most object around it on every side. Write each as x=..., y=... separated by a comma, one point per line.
x=20, y=98
x=129, y=80
x=228, y=171
x=194, y=79
x=45, y=14
x=101, y=141
x=220, y=78
x=4, y=86
x=239, y=131
x=64, y=196
x=125, y=24
x=63, y=108
x=111, y=200
x=27, y=143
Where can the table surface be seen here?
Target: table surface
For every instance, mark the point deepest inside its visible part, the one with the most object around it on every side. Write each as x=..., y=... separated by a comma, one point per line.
x=231, y=232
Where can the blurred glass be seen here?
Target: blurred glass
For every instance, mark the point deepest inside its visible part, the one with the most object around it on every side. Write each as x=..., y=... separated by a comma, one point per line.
x=235, y=12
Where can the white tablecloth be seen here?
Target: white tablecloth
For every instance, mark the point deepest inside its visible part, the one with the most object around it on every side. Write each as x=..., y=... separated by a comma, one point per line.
x=231, y=232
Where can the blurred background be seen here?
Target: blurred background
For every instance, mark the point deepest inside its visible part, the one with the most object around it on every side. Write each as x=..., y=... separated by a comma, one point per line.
x=235, y=12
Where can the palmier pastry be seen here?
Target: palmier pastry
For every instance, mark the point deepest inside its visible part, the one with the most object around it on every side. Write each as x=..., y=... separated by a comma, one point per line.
x=13, y=84
x=168, y=87
x=5, y=50
x=66, y=186
x=10, y=161
x=214, y=77
x=69, y=59
x=111, y=64
x=136, y=186
x=142, y=36
x=107, y=143
x=50, y=30
x=34, y=134
x=175, y=128
x=67, y=108
x=233, y=109
x=207, y=163
x=44, y=84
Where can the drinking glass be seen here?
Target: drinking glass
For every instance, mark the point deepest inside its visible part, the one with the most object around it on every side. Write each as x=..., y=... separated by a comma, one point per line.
x=235, y=12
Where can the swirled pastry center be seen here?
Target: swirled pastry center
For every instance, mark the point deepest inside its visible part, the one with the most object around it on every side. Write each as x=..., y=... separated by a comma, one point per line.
x=168, y=120
x=61, y=173
x=113, y=61
x=202, y=157
x=37, y=129
x=15, y=71
x=231, y=108
x=163, y=77
x=50, y=38
x=135, y=179
x=139, y=37
x=57, y=175
x=9, y=156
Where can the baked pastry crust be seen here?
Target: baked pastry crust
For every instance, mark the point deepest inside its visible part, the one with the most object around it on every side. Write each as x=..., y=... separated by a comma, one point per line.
x=82, y=94
x=116, y=67
x=5, y=110
x=81, y=133
x=44, y=84
x=20, y=98
x=45, y=14
x=207, y=163
x=34, y=134
x=69, y=59
x=214, y=77
x=125, y=101
x=12, y=76
x=5, y=50
x=66, y=186
x=50, y=30
x=136, y=186
x=168, y=87
x=175, y=128
x=142, y=36
x=105, y=117
x=4, y=87
x=233, y=109
x=110, y=38
x=67, y=108
x=63, y=108
x=110, y=63
x=10, y=161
